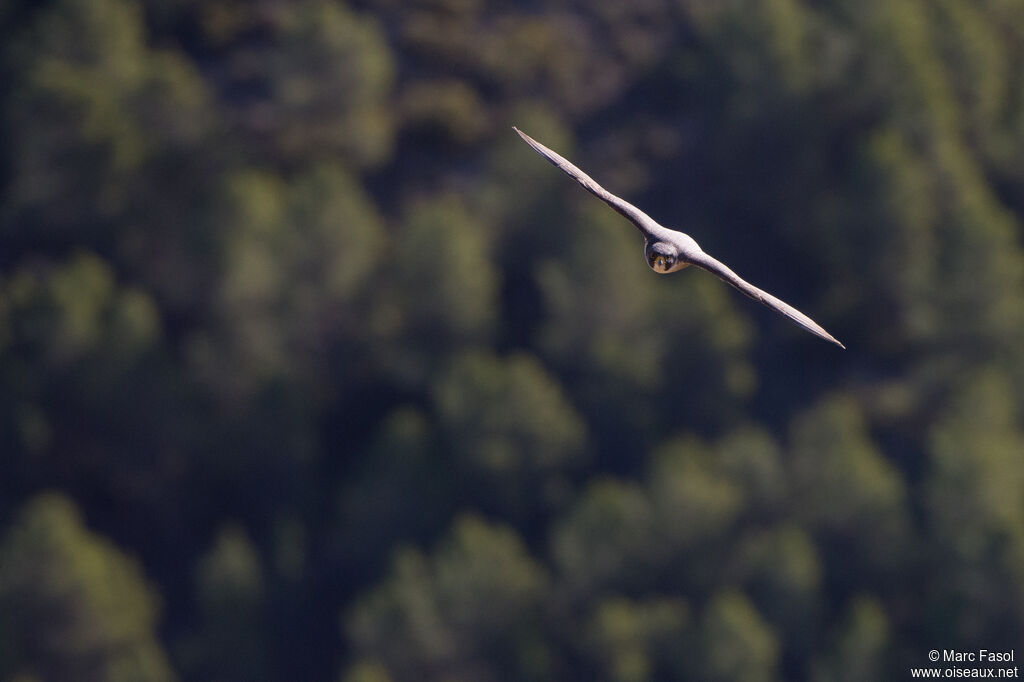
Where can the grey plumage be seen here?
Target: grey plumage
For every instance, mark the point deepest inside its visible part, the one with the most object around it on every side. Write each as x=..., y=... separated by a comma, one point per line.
x=670, y=250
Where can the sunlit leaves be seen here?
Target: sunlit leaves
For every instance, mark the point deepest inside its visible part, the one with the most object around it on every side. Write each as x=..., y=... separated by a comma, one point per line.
x=436, y=288
x=766, y=46
x=973, y=495
x=316, y=85
x=605, y=537
x=749, y=457
x=976, y=490
x=441, y=257
x=69, y=311
x=486, y=401
x=298, y=260
x=621, y=535
x=231, y=588
x=783, y=572
x=693, y=500
x=509, y=425
x=460, y=611
x=629, y=637
x=843, y=485
x=555, y=52
x=449, y=107
x=72, y=606
x=93, y=103
x=858, y=644
x=738, y=644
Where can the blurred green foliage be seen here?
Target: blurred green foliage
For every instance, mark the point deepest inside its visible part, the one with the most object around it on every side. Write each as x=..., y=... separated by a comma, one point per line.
x=309, y=369
x=73, y=606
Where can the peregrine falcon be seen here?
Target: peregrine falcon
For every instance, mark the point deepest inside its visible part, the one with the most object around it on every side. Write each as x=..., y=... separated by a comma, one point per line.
x=670, y=250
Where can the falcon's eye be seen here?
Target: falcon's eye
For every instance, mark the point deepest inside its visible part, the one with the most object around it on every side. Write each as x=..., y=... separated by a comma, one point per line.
x=662, y=263
x=661, y=258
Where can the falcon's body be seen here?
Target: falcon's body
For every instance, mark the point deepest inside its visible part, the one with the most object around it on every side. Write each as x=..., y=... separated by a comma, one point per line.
x=670, y=250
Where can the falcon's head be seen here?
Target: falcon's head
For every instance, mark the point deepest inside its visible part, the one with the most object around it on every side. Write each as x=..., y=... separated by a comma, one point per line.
x=663, y=258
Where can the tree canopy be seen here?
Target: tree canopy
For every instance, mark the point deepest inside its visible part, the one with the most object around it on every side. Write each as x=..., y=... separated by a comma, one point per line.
x=310, y=369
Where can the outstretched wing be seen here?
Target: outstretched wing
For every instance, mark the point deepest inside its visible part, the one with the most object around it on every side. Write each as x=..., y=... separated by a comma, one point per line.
x=705, y=261
x=689, y=250
x=644, y=222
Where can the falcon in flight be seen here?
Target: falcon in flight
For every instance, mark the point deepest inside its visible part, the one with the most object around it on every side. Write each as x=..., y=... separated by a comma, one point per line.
x=670, y=250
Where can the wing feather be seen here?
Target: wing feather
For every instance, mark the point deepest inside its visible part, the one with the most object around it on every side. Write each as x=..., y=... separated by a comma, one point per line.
x=643, y=222
x=718, y=268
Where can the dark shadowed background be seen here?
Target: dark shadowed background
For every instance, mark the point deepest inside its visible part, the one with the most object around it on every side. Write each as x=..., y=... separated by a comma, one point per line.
x=310, y=369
